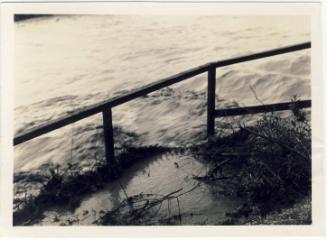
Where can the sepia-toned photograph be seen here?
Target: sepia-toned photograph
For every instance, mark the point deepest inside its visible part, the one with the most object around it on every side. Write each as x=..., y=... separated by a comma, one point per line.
x=159, y=120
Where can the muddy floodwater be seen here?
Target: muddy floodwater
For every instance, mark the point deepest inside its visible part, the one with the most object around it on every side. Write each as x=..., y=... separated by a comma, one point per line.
x=160, y=174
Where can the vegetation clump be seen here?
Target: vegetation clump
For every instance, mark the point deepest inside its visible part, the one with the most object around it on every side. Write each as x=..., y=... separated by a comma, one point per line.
x=268, y=164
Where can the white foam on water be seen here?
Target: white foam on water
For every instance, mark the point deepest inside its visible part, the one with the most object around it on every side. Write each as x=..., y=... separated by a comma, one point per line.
x=68, y=62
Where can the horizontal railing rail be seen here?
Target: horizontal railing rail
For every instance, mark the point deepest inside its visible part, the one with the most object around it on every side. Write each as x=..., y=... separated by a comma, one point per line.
x=263, y=108
x=106, y=106
x=270, y=53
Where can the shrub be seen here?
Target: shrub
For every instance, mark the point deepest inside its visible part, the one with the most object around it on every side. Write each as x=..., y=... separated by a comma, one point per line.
x=268, y=164
x=279, y=171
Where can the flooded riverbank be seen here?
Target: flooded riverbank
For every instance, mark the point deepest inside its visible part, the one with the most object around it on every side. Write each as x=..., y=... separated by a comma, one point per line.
x=120, y=53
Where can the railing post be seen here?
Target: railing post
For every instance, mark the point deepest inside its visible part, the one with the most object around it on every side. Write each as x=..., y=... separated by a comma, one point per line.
x=108, y=137
x=211, y=102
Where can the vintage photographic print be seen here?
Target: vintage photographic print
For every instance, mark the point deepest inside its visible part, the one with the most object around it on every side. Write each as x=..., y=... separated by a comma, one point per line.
x=133, y=119
x=115, y=126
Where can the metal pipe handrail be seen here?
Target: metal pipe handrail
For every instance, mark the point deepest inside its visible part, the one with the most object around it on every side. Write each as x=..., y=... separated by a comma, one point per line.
x=106, y=106
x=112, y=102
x=269, y=53
x=262, y=108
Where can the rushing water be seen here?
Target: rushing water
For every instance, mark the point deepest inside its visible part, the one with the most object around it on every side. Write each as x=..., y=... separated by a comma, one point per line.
x=64, y=63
